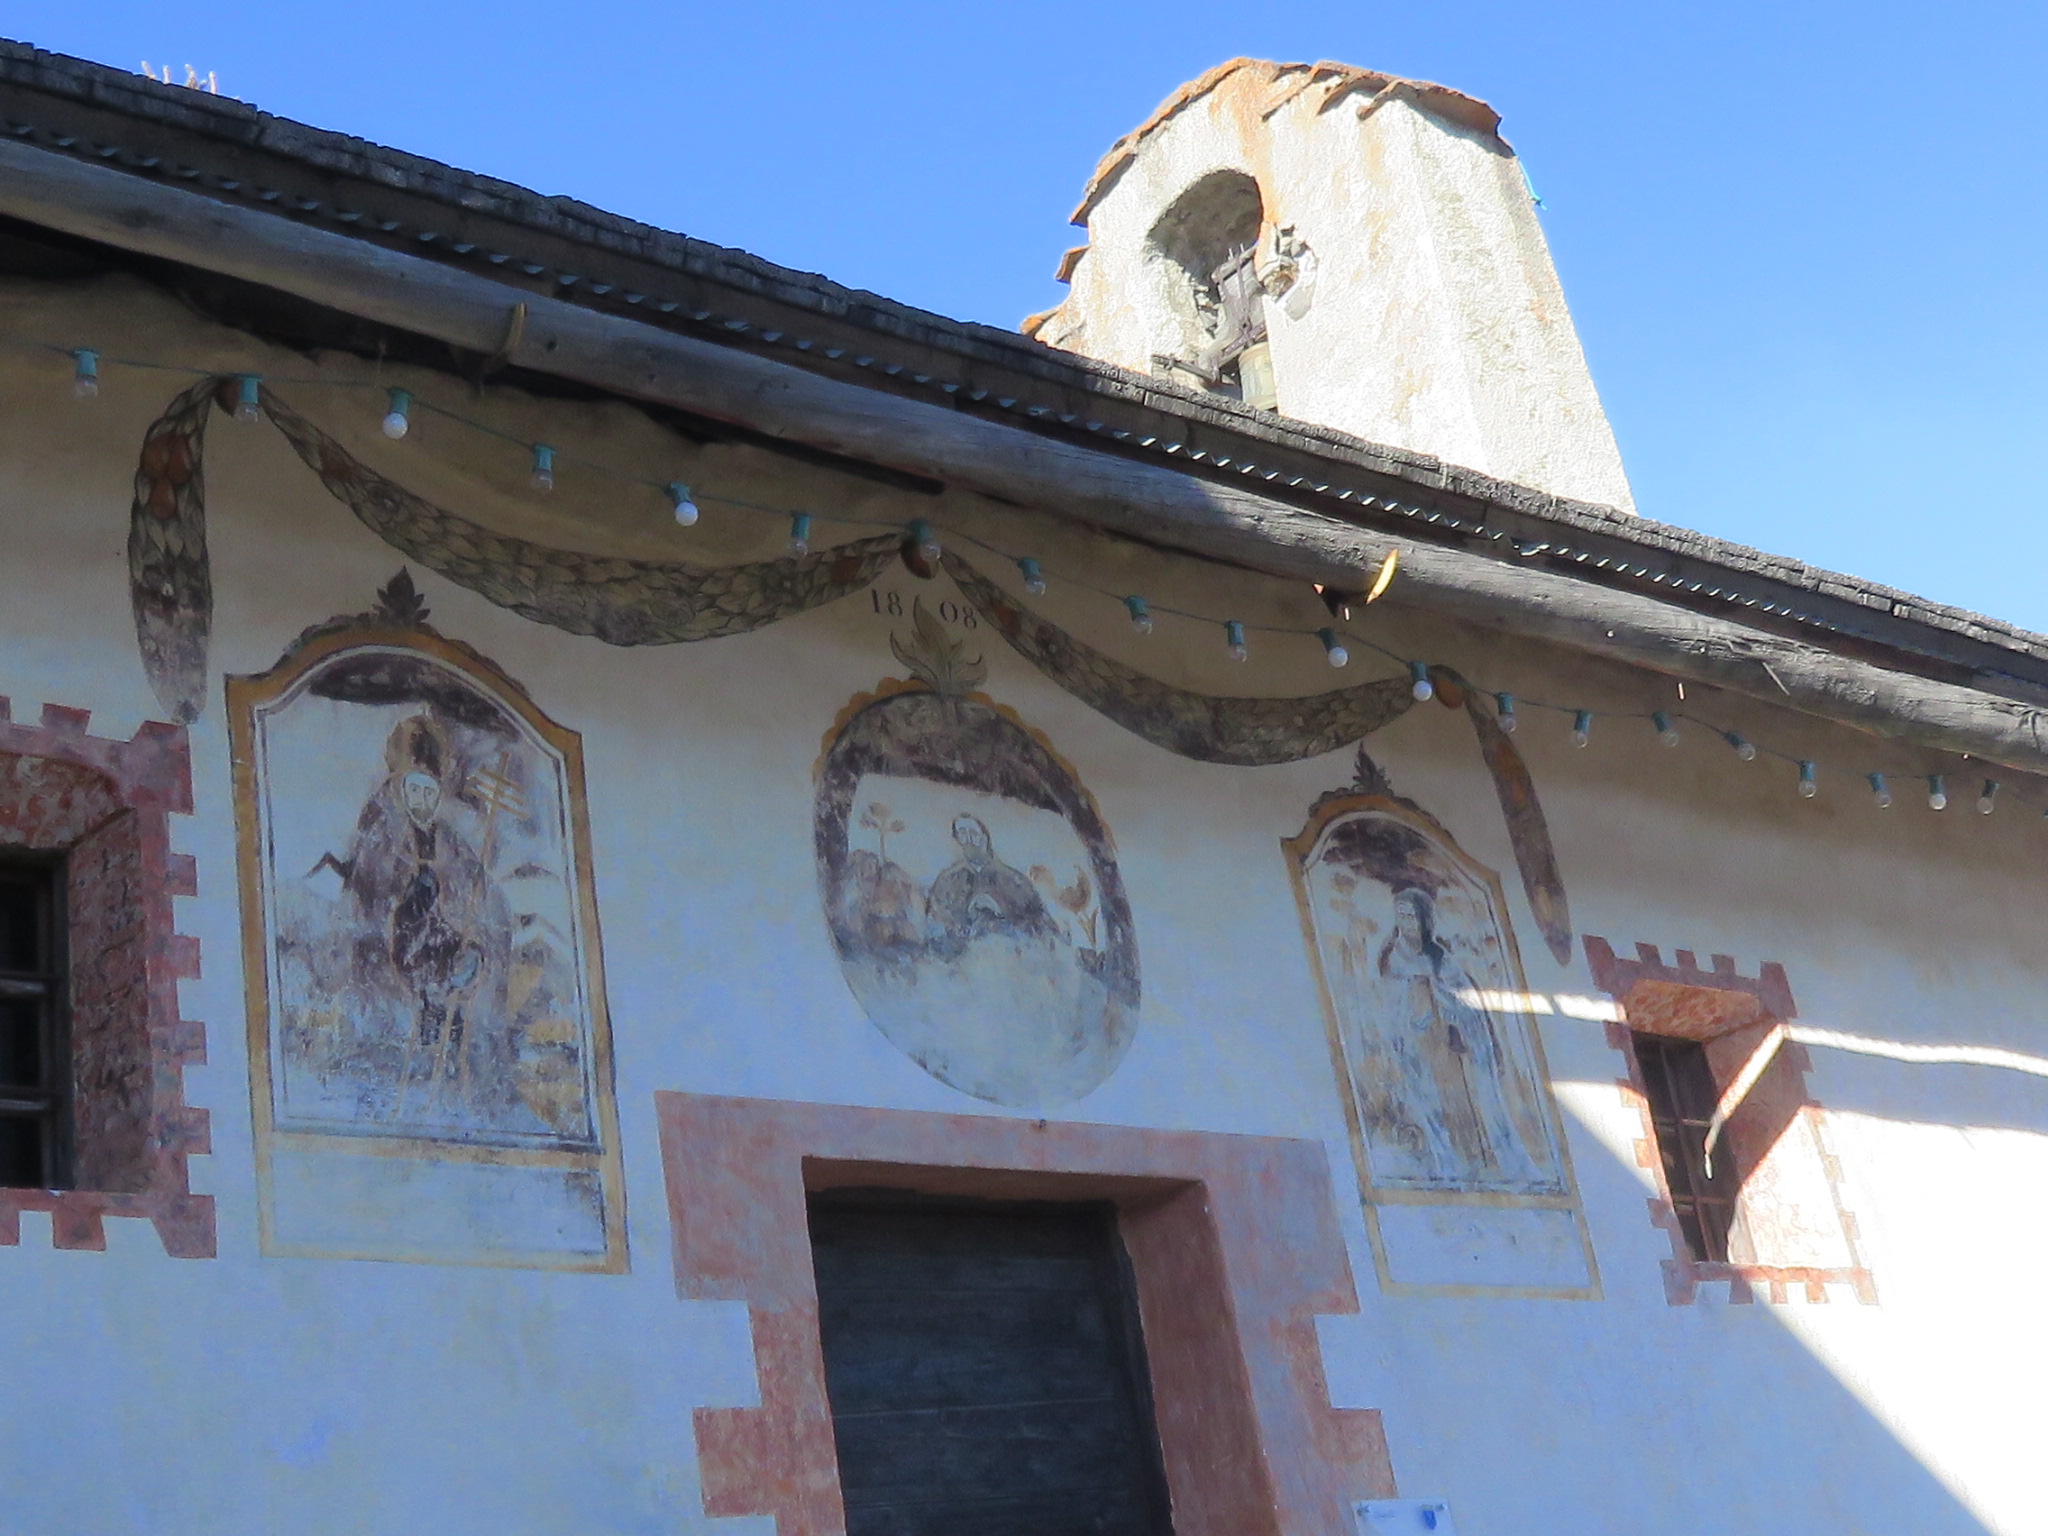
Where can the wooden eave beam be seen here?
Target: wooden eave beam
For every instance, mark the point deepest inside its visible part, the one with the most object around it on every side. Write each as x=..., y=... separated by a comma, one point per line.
x=555, y=247
x=1077, y=479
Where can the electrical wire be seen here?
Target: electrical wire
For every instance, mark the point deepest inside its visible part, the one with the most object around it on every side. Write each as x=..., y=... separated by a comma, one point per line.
x=1581, y=716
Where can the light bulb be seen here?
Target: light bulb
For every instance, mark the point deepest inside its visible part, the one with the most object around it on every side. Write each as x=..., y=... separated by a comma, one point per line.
x=398, y=420
x=800, y=533
x=1880, y=792
x=1504, y=713
x=1333, y=648
x=1233, y=638
x=1582, y=727
x=1809, y=781
x=1988, y=801
x=1421, y=687
x=1666, y=731
x=1937, y=793
x=686, y=508
x=1141, y=616
x=927, y=542
x=85, y=378
x=543, y=467
x=1034, y=578
x=249, y=398
x=1746, y=750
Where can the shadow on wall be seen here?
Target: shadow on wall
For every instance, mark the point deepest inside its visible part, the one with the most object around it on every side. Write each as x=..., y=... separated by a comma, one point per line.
x=1707, y=1415
x=1665, y=1420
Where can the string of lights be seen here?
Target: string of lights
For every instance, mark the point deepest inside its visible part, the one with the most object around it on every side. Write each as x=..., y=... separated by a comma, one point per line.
x=402, y=406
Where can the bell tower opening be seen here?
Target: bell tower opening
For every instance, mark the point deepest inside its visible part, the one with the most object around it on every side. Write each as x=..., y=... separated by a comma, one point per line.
x=1205, y=247
x=1349, y=249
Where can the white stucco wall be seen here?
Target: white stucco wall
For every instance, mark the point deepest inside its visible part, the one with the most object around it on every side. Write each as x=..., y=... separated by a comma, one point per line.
x=246, y=1395
x=1429, y=315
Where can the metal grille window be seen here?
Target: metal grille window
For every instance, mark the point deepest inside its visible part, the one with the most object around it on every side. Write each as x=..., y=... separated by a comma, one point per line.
x=1679, y=1084
x=35, y=1075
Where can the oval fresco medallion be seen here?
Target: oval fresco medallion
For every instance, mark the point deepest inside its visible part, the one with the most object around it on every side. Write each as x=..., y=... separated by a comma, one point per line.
x=972, y=889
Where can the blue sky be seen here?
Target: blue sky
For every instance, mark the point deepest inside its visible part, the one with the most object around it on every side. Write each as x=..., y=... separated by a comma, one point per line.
x=1804, y=243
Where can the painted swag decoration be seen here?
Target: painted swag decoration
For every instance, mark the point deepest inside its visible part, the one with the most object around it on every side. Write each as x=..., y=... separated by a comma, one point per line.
x=665, y=602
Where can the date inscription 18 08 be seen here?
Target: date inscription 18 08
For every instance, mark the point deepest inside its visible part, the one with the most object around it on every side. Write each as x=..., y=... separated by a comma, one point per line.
x=891, y=605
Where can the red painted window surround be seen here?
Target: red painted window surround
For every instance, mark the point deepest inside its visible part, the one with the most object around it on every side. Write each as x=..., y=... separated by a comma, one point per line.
x=107, y=804
x=1792, y=1182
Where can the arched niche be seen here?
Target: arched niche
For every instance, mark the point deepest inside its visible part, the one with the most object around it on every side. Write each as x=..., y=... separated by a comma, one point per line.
x=1212, y=323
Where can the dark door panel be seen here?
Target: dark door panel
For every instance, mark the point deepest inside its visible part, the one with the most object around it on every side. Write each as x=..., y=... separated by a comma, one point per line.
x=986, y=1370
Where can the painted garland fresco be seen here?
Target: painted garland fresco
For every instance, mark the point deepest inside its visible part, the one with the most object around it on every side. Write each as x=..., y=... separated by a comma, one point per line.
x=971, y=888
x=666, y=602
x=426, y=1003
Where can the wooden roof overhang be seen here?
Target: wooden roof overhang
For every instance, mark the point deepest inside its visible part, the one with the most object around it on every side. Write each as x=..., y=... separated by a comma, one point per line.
x=316, y=236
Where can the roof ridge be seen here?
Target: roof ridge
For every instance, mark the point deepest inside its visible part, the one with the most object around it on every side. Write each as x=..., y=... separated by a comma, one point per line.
x=1446, y=101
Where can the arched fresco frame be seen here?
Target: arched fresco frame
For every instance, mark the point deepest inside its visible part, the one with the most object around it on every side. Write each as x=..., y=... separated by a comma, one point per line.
x=1382, y=1192
x=579, y=1172
x=948, y=737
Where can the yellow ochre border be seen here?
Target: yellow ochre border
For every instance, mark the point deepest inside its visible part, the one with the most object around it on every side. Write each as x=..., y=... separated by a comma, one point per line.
x=247, y=694
x=1299, y=849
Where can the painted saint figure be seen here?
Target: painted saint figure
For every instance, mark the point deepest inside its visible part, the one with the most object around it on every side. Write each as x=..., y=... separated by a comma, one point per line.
x=1011, y=975
x=979, y=895
x=1449, y=1049
x=433, y=929
x=427, y=1019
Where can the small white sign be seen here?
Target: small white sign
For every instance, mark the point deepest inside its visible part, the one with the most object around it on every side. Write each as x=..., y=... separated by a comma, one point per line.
x=1404, y=1517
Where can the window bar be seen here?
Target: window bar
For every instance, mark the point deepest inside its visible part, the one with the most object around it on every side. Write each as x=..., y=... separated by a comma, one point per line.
x=1679, y=1084
x=35, y=1060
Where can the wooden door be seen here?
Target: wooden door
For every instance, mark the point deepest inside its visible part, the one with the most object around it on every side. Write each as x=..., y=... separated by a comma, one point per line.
x=986, y=1369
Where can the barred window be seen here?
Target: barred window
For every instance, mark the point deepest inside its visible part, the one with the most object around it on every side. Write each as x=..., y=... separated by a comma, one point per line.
x=1679, y=1082
x=35, y=1057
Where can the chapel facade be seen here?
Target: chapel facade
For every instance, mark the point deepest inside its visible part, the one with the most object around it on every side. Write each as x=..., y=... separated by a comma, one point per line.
x=642, y=893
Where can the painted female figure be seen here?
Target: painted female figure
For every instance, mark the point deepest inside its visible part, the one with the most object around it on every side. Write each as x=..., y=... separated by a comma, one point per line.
x=1449, y=1049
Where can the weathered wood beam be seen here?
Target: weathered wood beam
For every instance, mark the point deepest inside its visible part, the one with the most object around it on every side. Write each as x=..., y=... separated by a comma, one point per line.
x=1148, y=501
